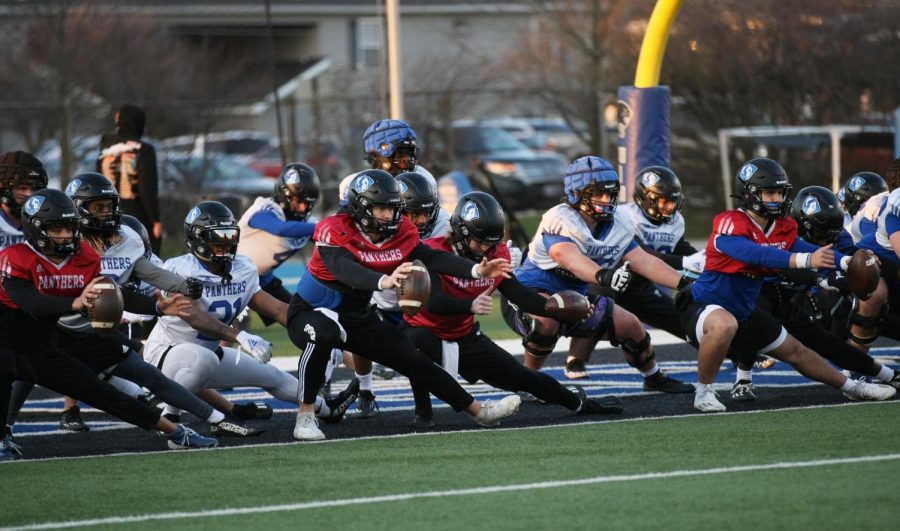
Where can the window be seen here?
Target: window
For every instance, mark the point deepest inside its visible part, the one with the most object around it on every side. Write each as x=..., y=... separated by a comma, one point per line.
x=369, y=39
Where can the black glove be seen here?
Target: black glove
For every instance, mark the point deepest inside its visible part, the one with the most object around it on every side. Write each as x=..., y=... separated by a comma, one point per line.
x=193, y=288
x=685, y=281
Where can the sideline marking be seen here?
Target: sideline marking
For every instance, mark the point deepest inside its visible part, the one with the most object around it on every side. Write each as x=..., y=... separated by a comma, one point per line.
x=454, y=492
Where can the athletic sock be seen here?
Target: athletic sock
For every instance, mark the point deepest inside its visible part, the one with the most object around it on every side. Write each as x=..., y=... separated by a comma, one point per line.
x=322, y=408
x=215, y=417
x=365, y=381
x=653, y=370
x=886, y=374
x=848, y=385
x=743, y=375
x=702, y=387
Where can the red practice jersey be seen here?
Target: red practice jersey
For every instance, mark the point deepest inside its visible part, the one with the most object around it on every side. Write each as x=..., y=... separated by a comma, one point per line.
x=66, y=279
x=781, y=234
x=451, y=327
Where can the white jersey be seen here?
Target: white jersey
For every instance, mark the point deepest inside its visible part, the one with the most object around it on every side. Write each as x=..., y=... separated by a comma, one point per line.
x=224, y=301
x=265, y=249
x=869, y=211
x=892, y=208
x=345, y=182
x=9, y=233
x=661, y=238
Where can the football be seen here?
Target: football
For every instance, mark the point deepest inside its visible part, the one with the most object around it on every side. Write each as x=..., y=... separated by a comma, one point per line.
x=106, y=313
x=567, y=306
x=414, y=290
x=863, y=273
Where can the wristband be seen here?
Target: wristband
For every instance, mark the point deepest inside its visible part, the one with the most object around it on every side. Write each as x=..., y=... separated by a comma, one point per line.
x=803, y=260
x=475, y=273
x=845, y=263
x=159, y=313
x=684, y=282
x=598, y=276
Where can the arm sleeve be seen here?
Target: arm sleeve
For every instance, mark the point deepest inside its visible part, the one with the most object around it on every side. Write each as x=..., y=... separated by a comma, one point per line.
x=524, y=298
x=30, y=300
x=158, y=277
x=149, y=182
x=744, y=250
x=672, y=260
x=439, y=303
x=442, y=261
x=683, y=248
x=803, y=246
x=271, y=223
x=347, y=271
x=138, y=303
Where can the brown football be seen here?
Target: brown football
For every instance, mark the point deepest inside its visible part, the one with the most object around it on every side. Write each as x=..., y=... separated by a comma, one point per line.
x=863, y=273
x=567, y=306
x=106, y=313
x=414, y=290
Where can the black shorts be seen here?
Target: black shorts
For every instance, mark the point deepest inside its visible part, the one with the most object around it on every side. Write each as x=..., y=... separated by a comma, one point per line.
x=759, y=334
x=648, y=303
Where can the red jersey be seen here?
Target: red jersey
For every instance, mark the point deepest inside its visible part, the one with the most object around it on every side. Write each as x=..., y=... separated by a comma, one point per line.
x=451, y=327
x=781, y=234
x=66, y=279
x=340, y=230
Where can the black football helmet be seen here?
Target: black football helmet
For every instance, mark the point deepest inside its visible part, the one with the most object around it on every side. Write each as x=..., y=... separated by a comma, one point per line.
x=16, y=168
x=860, y=187
x=477, y=215
x=375, y=188
x=761, y=174
x=135, y=224
x=391, y=146
x=818, y=214
x=300, y=181
x=420, y=195
x=657, y=192
x=209, y=224
x=44, y=210
x=86, y=188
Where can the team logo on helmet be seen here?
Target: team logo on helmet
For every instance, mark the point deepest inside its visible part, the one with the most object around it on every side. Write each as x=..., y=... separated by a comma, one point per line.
x=292, y=177
x=192, y=215
x=470, y=211
x=403, y=187
x=649, y=178
x=747, y=171
x=811, y=206
x=841, y=194
x=363, y=184
x=856, y=183
x=73, y=187
x=34, y=204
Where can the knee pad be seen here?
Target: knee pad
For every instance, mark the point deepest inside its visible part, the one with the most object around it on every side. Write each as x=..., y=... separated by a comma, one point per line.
x=867, y=321
x=538, y=344
x=635, y=349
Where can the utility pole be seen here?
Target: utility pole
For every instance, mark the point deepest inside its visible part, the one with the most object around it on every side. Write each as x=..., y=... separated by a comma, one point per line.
x=395, y=72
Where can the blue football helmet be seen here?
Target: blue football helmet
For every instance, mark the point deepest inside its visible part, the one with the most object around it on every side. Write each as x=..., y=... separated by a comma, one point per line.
x=586, y=177
x=391, y=146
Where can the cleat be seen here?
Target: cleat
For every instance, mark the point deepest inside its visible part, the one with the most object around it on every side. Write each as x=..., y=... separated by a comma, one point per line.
x=863, y=390
x=9, y=450
x=707, y=401
x=525, y=396
x=895, y=381
x=607, y=405
x=493, y=411
x=382, y=372
x=325, y=391
x=578, y=391
x=307, y=427
x=183, y=438
x=230, y=429
x=252, y=411
x=575, y=370
x=764, y=362
x=422, y=421
x=71, y=420
x=743, y=391
x=664, y=383
x=366, y=407
x=341, y=402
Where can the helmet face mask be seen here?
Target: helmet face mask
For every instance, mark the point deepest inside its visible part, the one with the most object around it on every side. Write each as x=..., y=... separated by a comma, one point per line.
x=757, y=176
x=657, y=193
x=97, y=202
x=211, y=233
x=477, y=225
x=390, y=145
x=587, y=180
x=44, y=216
x=420, y=201
x=297, y=185
x=371, y=189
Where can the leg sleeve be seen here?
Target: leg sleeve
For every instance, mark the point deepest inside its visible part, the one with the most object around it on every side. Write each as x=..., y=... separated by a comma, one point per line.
x=315, y=334
x=842, y=354
x=430, y=345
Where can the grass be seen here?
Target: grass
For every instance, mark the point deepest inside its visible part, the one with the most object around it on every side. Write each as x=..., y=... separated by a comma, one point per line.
x=859, y=495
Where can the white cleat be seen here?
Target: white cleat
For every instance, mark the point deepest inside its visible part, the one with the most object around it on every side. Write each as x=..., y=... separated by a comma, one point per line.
x=863, y=390
x=491, y=411
x=707, y=401
x=307, y=427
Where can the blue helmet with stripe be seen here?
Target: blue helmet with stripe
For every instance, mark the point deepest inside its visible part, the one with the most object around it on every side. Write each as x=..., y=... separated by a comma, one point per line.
x=390, y=145
x=588, y=176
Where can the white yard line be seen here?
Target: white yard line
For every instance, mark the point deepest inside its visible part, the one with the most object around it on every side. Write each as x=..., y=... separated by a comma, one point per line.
x=458, y=492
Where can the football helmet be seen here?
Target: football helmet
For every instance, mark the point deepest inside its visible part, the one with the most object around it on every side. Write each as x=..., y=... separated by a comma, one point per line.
x=477, y=215
x=586, y=177
x=211, y=232
x=818, y=214
x=420, y=196
x=390, y=145
x=757, y=175
x=301, y=181
x=375, y=188
x=16, y=168
x=859, y=188
x=86, y=188
x=657, y=191
x=43, y=211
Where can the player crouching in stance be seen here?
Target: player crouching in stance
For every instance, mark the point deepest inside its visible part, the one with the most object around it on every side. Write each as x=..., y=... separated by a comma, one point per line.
x=369, y=247
x=446, y=330
x=54, y=273
x=719, y=310
x=188, y=351
x=575, y=243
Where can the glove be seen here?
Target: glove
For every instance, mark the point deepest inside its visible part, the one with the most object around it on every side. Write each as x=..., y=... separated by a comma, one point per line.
x=835, y=281
x=695, y=262
x=193, y=288
x=259, y=348
x=621, y=278
x=515, y=254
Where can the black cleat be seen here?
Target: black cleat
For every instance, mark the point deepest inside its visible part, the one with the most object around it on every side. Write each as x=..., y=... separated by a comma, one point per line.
x=383, y=373
x=229, y=429
x=743, y=391
x=9, y=446
x=575, y=370
x=422, y=421
x=71, y=420
x=664, y=383
x=366, y=407
x=606, y=405
x=252, y=411
x=341, y=402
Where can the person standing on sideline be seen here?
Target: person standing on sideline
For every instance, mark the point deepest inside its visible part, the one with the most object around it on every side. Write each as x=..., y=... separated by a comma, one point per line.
x=130, y=164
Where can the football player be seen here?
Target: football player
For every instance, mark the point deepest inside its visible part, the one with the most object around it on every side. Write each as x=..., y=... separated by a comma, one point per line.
x=362, y=249
x=720, y=309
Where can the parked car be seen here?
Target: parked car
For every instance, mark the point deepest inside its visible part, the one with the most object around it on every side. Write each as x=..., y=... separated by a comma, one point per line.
x=560, y=137
x=242, y=145
x=522, y=130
